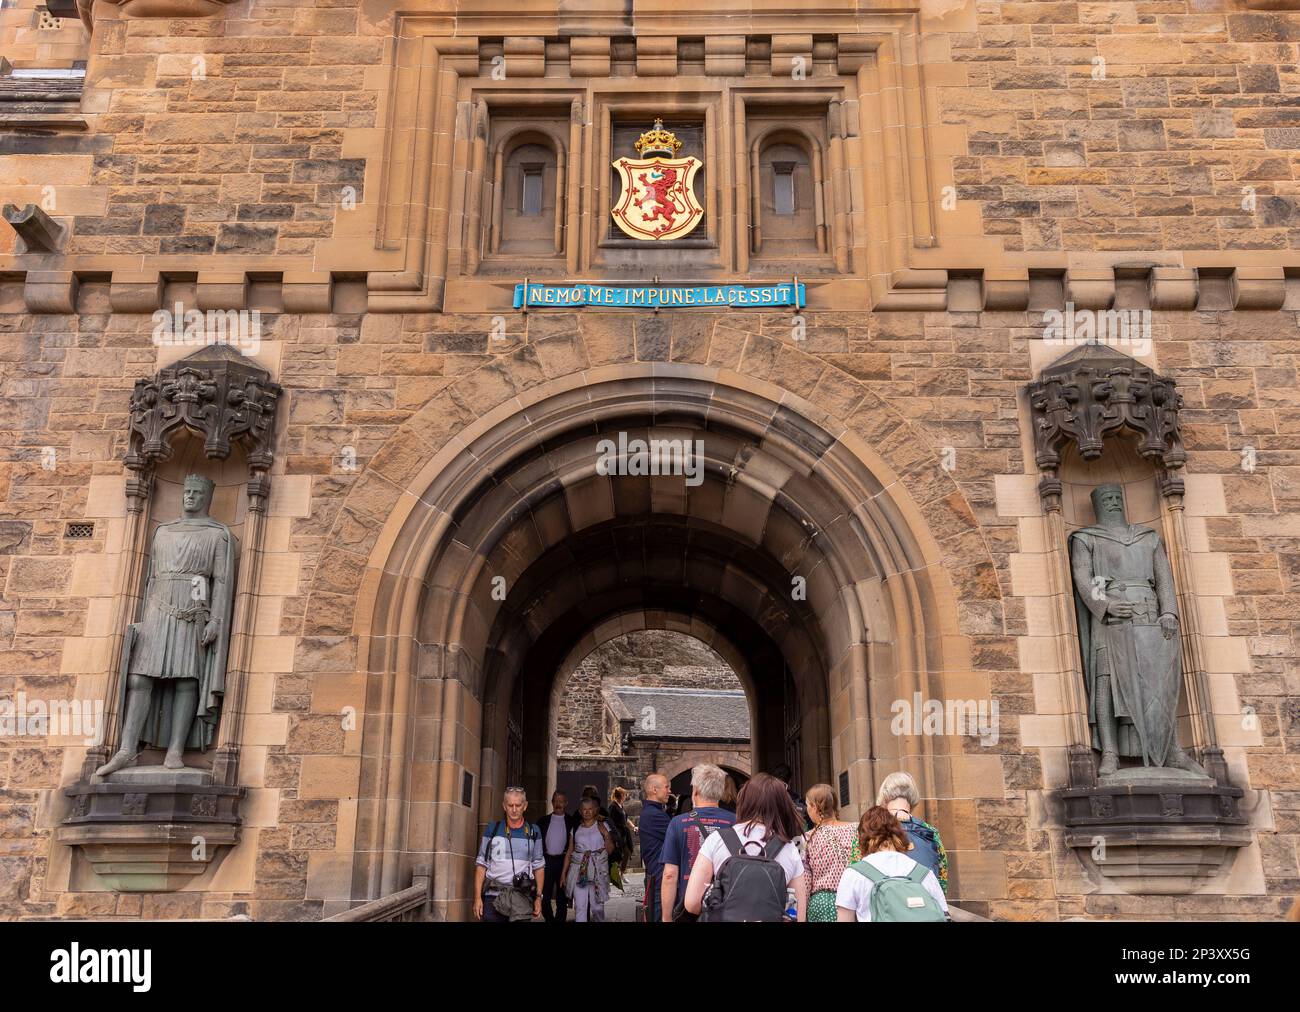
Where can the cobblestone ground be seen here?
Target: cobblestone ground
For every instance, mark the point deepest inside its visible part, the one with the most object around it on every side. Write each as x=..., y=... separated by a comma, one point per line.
x=621, y=906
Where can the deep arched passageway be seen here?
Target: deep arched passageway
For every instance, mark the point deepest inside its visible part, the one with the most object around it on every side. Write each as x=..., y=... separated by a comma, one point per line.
x=792, y=549
x=680, y=784
x=670, y=565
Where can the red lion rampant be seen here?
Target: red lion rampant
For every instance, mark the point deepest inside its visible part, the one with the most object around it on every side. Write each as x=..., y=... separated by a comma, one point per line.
x=660, y=190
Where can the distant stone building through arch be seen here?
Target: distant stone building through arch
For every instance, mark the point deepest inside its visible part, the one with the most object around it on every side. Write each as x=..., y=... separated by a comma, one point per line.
x=653, y=700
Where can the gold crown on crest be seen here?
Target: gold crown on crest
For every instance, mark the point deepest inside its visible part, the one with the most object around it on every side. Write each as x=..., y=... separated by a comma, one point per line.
x=658, y=141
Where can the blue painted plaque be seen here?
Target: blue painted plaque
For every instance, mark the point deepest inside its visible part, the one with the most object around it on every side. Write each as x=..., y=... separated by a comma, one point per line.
x=660, y=296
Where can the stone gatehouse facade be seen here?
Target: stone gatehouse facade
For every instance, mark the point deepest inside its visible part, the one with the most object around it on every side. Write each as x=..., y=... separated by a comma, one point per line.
x=280, y=246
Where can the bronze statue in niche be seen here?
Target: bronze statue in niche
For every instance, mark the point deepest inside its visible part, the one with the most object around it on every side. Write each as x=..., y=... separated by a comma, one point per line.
x=1129, y=633
x=174, y=658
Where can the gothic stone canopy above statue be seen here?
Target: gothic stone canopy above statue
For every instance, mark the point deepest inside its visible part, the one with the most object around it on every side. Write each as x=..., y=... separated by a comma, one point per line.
x=217, y=394
x=1093, y=392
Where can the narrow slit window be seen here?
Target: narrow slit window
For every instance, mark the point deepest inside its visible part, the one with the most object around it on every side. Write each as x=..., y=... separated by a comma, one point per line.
x=783, y=179
x=531, y=200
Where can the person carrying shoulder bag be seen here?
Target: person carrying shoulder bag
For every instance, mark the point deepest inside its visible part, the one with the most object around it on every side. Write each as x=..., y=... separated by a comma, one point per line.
x=510, y=868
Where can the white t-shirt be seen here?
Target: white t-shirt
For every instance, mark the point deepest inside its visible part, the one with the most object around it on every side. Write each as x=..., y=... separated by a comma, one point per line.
x=716, y=852
x=557, y=836
x=855, y=888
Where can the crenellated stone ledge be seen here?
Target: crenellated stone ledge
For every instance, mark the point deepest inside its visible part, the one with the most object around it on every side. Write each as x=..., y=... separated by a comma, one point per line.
x=53, y=288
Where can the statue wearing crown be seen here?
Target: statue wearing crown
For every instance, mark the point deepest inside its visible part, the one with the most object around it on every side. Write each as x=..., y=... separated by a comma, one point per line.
x=657, y=201
x=174, y=658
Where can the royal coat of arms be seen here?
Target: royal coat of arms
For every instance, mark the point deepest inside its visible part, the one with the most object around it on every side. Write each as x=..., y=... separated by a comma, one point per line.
x=658, y=196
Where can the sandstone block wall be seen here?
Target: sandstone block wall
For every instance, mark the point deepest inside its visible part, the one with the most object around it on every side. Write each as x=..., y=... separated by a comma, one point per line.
x=1096, y=153
x=955, y=379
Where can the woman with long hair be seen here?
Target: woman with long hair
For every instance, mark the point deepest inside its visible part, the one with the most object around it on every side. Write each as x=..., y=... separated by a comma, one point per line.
x=828, y=851
x=884, y=845
x=764, y=811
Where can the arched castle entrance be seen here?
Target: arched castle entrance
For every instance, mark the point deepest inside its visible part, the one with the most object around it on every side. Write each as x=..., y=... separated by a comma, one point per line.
x=505, y=549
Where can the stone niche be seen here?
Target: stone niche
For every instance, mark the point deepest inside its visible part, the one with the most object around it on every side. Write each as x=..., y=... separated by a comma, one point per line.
x=1099, y=416
x=145, y=828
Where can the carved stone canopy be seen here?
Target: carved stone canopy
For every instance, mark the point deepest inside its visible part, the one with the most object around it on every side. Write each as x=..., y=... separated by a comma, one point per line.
x=217, y=394
x=1093, y=392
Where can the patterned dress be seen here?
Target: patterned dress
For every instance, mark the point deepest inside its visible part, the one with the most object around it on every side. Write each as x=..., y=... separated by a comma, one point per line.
x=825, y=857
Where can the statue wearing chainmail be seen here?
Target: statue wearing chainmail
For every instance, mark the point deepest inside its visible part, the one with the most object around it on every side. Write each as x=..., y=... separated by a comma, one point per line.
x=1128, y=628
x=174, y=658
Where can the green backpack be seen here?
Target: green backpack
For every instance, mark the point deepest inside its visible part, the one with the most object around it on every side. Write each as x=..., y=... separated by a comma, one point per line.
x=900, y=897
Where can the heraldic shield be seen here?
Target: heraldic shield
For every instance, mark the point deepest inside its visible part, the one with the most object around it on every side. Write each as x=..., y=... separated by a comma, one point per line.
x=658, y=193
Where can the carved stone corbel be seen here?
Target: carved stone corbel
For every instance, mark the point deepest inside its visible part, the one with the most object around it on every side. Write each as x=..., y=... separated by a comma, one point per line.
x=1153, y=838
x=217, y=394
x=155, y=9
x=39, y=232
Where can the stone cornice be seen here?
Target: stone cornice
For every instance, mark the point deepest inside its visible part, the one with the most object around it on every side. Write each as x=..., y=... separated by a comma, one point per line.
x=52, y=283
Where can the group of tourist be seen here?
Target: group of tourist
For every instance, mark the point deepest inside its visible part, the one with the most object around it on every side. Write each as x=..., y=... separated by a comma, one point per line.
x=776, y=856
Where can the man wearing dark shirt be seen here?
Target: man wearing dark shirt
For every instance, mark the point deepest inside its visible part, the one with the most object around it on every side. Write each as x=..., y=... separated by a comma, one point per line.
x=686, y=833
x=652, y=830
x=556, y=827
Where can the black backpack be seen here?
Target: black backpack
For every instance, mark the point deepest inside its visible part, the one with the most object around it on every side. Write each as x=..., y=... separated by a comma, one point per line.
x=747, y=886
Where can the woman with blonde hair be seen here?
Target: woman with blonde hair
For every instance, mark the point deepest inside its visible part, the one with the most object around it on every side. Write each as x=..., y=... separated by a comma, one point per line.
x=622, y=832
x=828, y=851
x=899, y=795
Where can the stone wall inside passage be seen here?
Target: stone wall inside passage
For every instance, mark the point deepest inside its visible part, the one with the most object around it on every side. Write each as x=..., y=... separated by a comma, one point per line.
x=647, y=659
